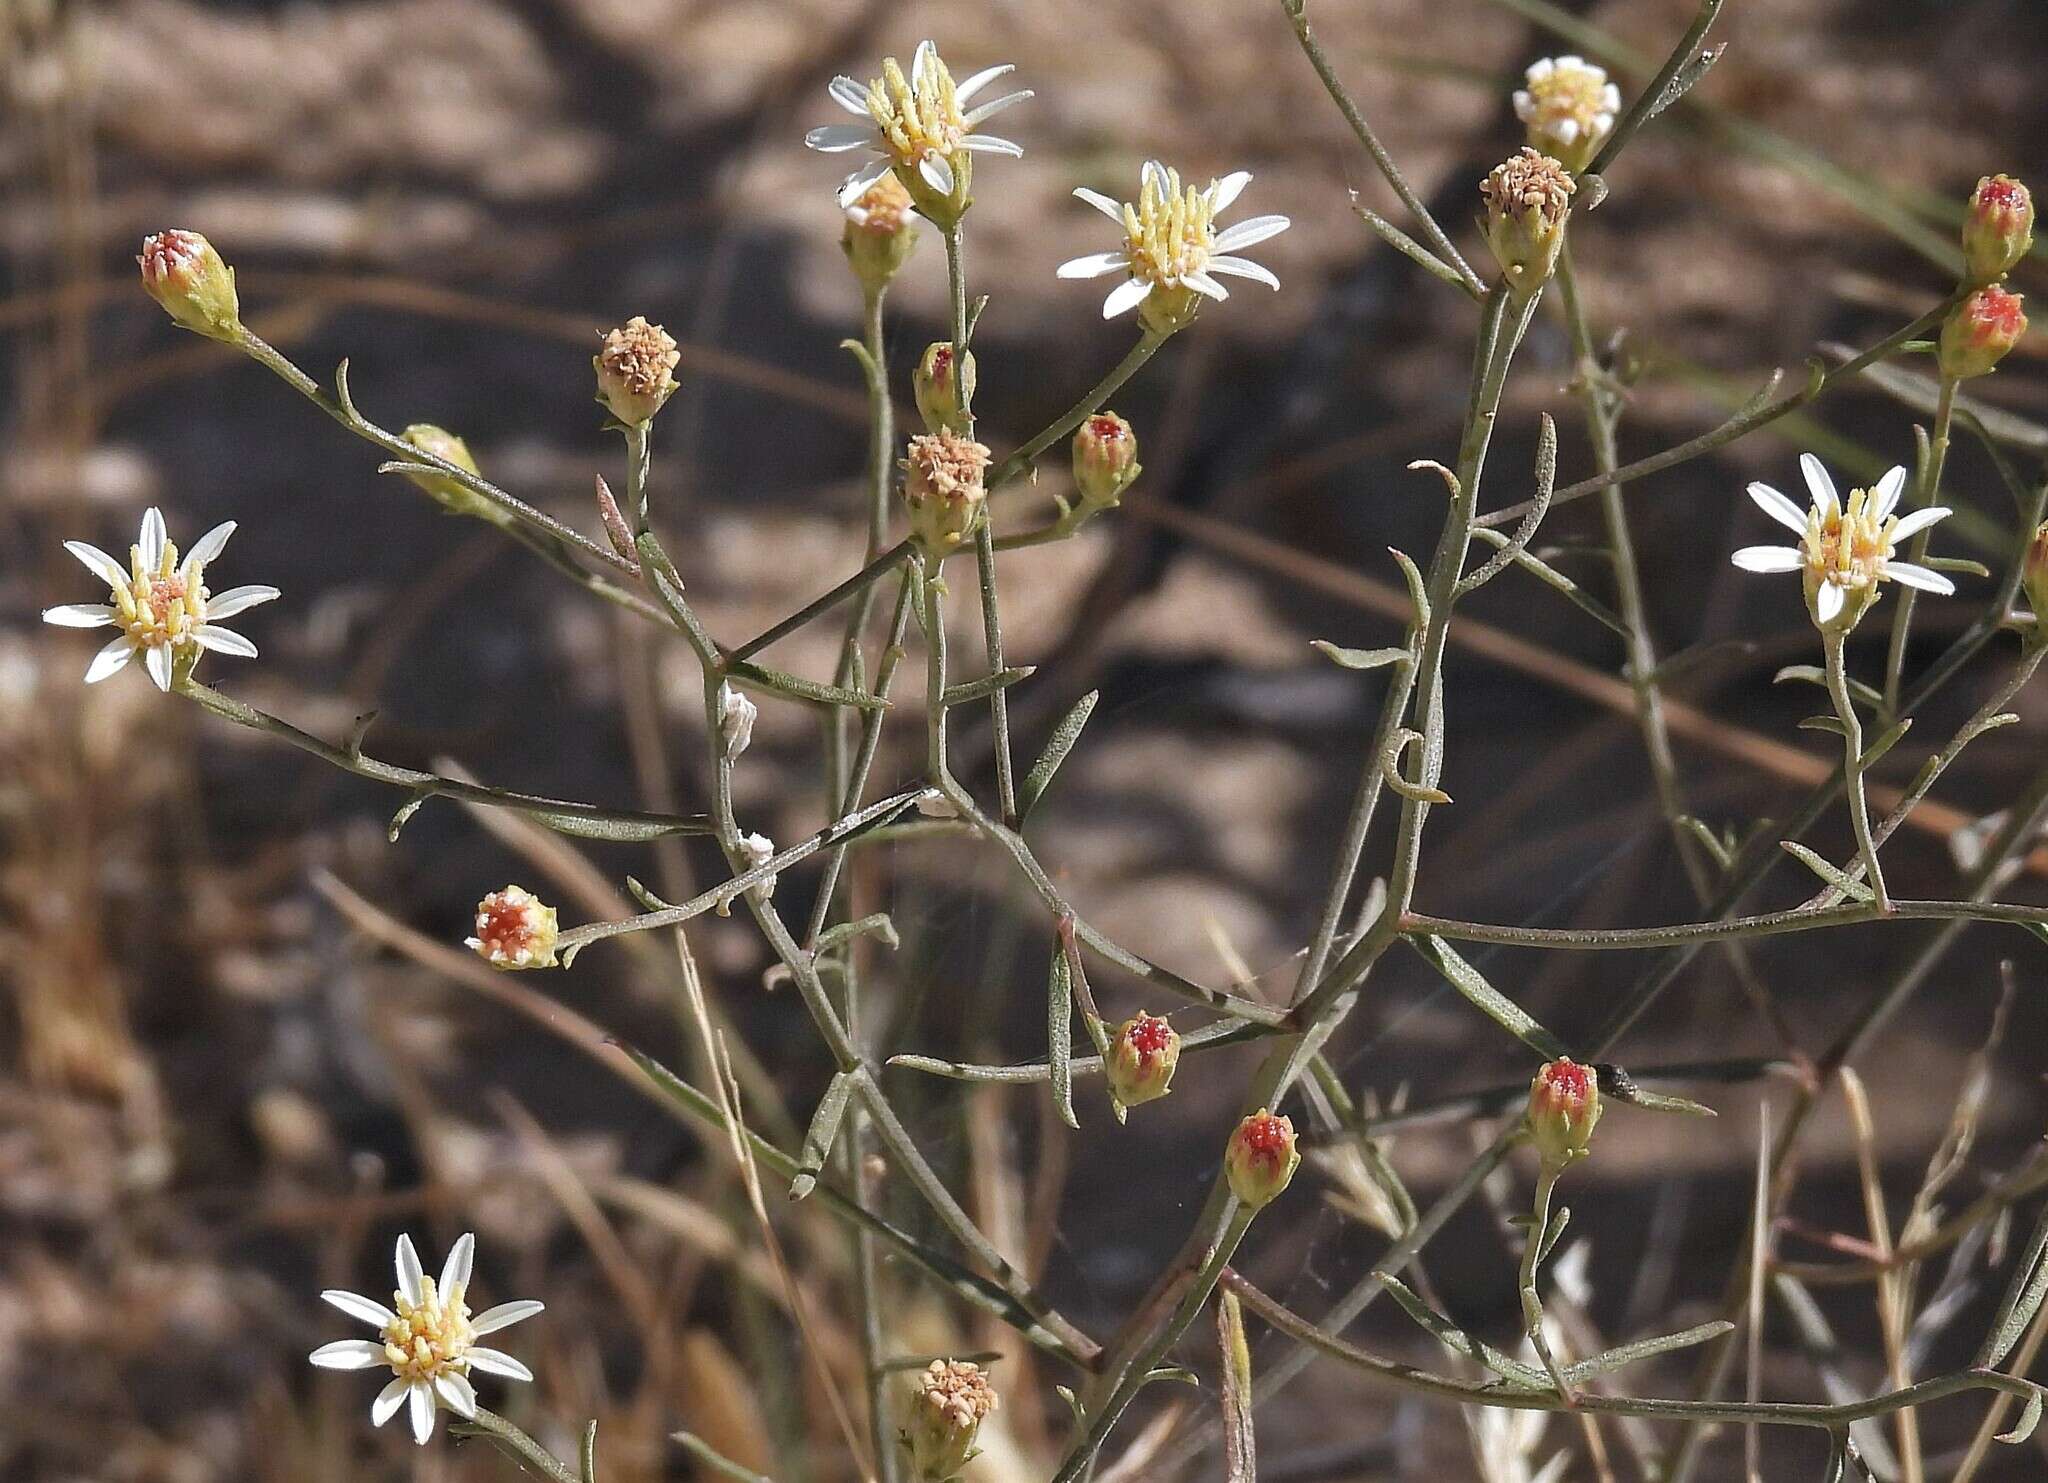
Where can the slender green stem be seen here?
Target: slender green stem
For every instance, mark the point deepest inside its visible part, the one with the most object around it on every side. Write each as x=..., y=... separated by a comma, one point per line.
x=1927, y=493
x=1690, y=934
x=1651, y=98
x=1091, y=403
x=1836, y=642
x=639, y=461
x=999, y=698
x=1532, y=1257
x=876, y=568
x=520, y=1445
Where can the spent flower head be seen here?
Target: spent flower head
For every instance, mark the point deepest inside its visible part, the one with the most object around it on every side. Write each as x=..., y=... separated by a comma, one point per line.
x=427, y=1339
x=949, y=1400
x=1844, y=550
x=636, y=370
x=878, y=236
x=1528, y=198
x=1142, y=1056
x=942, y=485
x=1105, y=459
x=920, y=126
x=160, y=604
x=182, y=271
x=1172, y=250
x=1980, y=332
x=1564, y=1107
x=1569, y=107
x=1998, y=230
x=1261, y=1158
x=515, y=929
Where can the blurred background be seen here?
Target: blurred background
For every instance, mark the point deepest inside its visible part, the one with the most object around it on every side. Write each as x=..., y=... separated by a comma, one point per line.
x=240, y=1046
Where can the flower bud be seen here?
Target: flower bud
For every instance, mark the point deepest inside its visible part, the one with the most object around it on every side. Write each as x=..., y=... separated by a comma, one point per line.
x=1979, y=331
x=879, y=236
x=1261, y=1158
x=1528, y=197
x=452, y=496
x=949, y=1400
x=1999, y=229
x=942, y=485
x=735, y=721
x=1141, y=1059
x=2036, y=576
x=514, y=929
x=1564, y=1106
x=940, y=398
x=1105, y=460
x=184, y=274
x=636, y=370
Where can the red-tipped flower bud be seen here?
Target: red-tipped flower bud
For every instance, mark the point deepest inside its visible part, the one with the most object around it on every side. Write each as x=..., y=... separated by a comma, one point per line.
x=1999, y=229
x=514, y=929
x=949, y=1400
x=636, y=370
x=940, y=397
x=1141, y=1059
x=184, y=274
x=1564, y=1106
x=1980, y=331
x=1261, y=1158
x=1105, y=459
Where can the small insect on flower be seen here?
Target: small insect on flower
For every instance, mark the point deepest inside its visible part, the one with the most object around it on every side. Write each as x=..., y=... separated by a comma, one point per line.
x=514, y=929
x=429, y=1342
x=1844, y=551
x=1172, y=251
x=1569, y=106
x=919, y=126
x=949, y=1400
x=160, y=604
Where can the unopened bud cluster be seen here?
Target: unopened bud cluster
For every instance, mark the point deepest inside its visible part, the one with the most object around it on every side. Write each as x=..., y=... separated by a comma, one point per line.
x=1998, y=230
x=1261, y=1158
x=1564, y=1107
x=1528, y=198
x=942, y=485
x=1142, y=1057
x=949, y=1400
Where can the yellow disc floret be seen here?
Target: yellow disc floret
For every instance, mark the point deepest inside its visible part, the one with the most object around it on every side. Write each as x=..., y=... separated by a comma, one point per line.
x=429, y=1338
x=160, y=605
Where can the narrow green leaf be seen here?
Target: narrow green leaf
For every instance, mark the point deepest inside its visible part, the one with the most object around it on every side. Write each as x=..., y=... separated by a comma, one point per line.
x=404, y=815
x=877, y=926
x=1360, y=658
x=1824, y=723
x=818, y=1137
x=1240, y=1455
x=1623, y=1355
x=2024, y=1295
x=1886, y=742
x=1490, y=1001
x=1820, y=866
x=1059, y=1036
x=987, y=685
x=1461, y=1343
x=796, y=687
x=1064, y=735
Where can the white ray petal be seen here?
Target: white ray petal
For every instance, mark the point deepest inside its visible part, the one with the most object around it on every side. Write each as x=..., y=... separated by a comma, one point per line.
x=1779, y=508
x=504, y=1316
x=1252, y=229
x=1154, y=175
x=981, y=80
x=461, y=1259
x=410, y=1273
x=348, y=1354
x=990, y=144
x=420, y=1397
x=1202, y=283
x=1817, y=479
x=1887, y=490
x=1126, y=295
x=223, y=641
x=838, y=138
x=1769, y=559
x=458, y=1394
x=1108, y=207
x=153, y=539
x=849, y=94
x=110, y=660
x=921, y=61
x=389, y=1399
x=99, y=563
x=158, y=662
x=1243, y=267
x=1228, y=189
x=1828, y=602
x=355, y=1305
x=1918, y=576
x=1539, y=69
x=995, y=106
x=238, y=600
x=1092, y=266
x=856, y=184
x=1919, y=520
x=79, y=615
x=497, y=1362
x=936, y=173
x=1525, y=106
x=1566, y=130
x=209, y=546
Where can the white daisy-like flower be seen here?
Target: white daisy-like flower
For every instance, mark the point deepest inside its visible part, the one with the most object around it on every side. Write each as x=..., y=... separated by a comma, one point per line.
x=429, y=1342
x=920, y=122
x=159, y=603
x=1569, y=107
x=1844, y=551
x=1171, y=245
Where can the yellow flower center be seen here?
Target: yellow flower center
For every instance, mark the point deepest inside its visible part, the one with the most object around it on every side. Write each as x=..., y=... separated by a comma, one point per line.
x=1848, y=547
x=431, y=1337
x=1169, y=232
x=157, y=606
x=916, y=119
